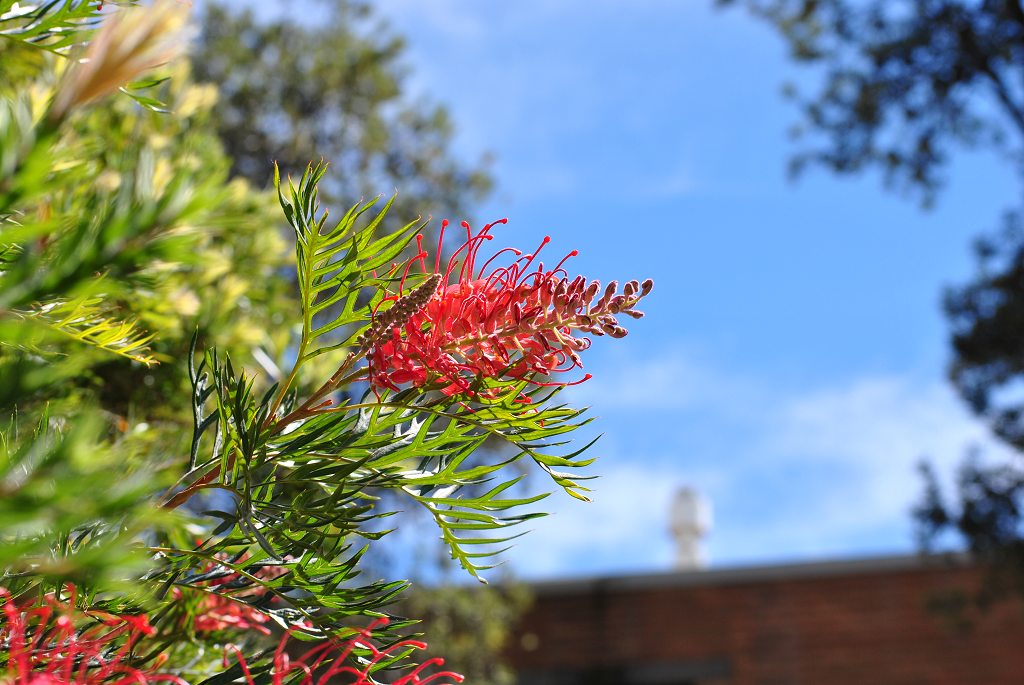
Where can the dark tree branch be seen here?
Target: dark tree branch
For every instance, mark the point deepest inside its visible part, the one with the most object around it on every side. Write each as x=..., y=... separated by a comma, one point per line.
x=1016, y=10
x=1003, y=93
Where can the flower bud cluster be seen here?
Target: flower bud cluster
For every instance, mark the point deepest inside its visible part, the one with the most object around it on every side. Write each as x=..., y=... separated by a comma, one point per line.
x=599, y=319
x=398, y=314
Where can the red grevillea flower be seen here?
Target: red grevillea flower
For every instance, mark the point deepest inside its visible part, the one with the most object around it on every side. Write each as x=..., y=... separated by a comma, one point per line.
x=514, y=322
x=44, y=646
x=336, y=661
x=218, y=611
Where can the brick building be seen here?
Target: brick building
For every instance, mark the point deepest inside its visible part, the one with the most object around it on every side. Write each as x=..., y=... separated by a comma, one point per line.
x=861, y=622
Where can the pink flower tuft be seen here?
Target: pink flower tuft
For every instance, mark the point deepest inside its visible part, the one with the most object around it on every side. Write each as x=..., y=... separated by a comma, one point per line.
x=332, y=659
x=45, y=647
x=219, y=611
x=506, y=323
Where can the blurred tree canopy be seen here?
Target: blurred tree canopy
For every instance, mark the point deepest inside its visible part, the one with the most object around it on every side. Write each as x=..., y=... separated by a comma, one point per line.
x=903, y=84
x=333, y=86
x=215, y=234
x=112, y=217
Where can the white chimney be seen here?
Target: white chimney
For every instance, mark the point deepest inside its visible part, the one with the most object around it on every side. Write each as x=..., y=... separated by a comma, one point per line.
x=691, y=521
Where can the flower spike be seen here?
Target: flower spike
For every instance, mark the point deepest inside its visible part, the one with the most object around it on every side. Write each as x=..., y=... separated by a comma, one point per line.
x=503, y=323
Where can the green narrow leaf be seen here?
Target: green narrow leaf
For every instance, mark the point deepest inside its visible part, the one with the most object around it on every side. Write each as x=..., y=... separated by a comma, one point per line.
x=85, y=319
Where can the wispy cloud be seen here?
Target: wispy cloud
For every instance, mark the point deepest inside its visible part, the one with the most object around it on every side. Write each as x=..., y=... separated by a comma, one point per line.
x=624, y=527
x=677, y=183
x=458, y=20
x=684, y=378
x=821, y=471
x=562, y=116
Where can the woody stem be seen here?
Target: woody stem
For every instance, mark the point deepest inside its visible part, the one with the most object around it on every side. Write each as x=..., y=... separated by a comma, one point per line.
x=308, y=407
x=183, y=496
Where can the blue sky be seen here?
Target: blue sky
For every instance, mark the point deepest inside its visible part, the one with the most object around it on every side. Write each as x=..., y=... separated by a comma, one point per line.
x=791, y=365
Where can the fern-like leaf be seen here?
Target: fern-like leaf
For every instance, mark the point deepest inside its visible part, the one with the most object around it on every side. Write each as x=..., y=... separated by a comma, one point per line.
x=336, y=263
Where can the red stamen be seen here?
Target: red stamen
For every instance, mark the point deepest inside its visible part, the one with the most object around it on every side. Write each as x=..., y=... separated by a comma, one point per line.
x=440, y=242
x=495, y=256
x=405, y=273
x=422, y=256
x=558, y=268
x=531, y=257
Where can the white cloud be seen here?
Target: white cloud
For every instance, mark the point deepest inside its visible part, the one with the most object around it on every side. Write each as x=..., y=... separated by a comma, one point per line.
x=820, y=471
x=623, y=525
x=680, y=182
x=449, y=18
x=852, y=453
x=682, y=379
x=459, y=20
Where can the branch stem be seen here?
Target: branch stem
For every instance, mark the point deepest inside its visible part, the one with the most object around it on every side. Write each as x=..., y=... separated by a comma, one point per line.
x=184, y=495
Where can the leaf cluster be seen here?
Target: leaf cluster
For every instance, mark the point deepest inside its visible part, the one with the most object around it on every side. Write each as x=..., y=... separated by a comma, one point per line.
x=54, y=25
x=304, y=469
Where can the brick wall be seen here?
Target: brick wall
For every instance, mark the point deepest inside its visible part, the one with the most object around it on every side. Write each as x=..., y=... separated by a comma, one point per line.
x=853, y=623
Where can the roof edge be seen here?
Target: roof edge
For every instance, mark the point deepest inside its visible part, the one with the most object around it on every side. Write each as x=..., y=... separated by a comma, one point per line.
x=750, y=574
